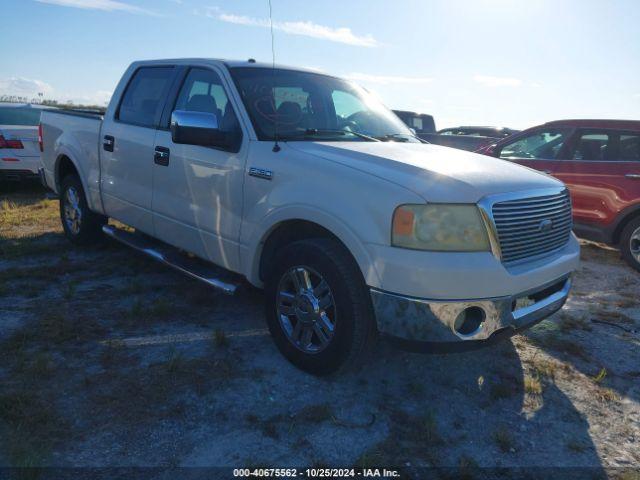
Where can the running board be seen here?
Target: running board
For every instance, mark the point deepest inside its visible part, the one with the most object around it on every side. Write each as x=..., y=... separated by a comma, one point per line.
x=195, y=268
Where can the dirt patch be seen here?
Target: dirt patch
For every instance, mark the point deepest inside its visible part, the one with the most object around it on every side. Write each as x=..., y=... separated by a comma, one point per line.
x=203, y=384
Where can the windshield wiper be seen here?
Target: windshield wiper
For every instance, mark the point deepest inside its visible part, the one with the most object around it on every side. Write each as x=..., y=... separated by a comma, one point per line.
x=323, y=131
x=394, y=136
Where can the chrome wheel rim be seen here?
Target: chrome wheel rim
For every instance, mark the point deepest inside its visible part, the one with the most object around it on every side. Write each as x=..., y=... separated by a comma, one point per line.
x=72, y=211
x=634, y=244
x=306, y=309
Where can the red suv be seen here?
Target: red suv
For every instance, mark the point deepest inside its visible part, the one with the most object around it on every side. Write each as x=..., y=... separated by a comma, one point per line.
x=599, y=160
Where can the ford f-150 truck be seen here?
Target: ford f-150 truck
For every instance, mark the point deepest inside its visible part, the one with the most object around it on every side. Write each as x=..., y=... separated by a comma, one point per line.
x=305, y=185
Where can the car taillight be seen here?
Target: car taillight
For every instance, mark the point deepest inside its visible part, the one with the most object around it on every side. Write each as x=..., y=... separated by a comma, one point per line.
x=40, y=144
x=16, y=144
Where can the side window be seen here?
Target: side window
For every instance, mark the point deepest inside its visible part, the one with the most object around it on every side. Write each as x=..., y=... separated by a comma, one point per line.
x=592, y=146
x=629, y=147
x=144, y=97
x=543, y=144
x=202, y=91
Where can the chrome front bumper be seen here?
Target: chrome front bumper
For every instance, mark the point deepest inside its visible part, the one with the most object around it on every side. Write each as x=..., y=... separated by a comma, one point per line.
x=437, y=321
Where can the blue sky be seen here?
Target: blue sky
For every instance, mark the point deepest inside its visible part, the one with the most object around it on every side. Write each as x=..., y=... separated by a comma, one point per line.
x=489, y=62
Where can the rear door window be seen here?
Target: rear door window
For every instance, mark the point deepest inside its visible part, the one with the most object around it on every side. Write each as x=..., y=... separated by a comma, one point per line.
x=542, y=145
x=593, y=146
x=629, y=149
x=144, y=97
x=606, y=145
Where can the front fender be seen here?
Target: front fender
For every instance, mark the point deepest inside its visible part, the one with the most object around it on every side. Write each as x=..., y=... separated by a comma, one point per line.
x=254, y=244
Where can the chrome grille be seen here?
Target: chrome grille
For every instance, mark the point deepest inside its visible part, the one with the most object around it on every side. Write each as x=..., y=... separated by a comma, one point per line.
x=522, y=225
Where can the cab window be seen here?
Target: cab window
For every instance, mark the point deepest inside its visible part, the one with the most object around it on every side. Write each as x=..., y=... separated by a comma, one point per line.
x=144, y=97
x=203, y=91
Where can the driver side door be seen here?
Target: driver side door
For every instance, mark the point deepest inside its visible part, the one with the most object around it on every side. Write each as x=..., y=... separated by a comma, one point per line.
x=197, y=190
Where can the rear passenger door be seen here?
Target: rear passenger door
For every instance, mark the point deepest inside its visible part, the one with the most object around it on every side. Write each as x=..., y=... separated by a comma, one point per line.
x=197, y=190
x=602, y=169
x=127, y=147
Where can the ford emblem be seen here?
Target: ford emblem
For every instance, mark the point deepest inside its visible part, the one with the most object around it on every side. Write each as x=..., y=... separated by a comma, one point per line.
x=545, y=225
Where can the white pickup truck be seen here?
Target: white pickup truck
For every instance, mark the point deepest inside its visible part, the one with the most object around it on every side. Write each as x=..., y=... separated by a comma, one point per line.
x=305, y=185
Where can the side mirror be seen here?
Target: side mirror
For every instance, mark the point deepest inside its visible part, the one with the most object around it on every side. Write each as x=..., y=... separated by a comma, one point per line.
x=197, y=128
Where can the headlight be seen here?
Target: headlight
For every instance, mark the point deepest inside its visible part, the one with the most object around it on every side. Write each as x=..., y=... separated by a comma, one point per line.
x=439, y=227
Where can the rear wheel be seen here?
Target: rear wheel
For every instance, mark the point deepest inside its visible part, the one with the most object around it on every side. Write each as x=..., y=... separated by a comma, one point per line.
x=318, y=307
x=630, y=243
x=81, y=225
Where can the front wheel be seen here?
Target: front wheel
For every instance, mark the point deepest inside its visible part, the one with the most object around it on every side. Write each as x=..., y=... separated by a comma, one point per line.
x=81, y=225
x=318, y=307
x=630, y=243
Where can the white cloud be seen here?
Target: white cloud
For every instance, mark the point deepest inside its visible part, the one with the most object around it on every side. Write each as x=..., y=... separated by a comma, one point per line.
x=24, y=87
x=104, y=5
x=490, y=81
x=636, y=95
x=304, y=28
x=30, y=88
x=387, y=79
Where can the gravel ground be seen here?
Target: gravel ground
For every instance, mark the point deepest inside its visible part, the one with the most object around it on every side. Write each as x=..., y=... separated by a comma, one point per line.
x=109, y=359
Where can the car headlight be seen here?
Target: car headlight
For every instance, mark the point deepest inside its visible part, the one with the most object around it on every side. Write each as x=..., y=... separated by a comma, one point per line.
x=440, y=227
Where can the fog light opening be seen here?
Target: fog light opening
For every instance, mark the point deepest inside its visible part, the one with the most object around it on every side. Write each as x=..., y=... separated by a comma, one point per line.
x=469, y=321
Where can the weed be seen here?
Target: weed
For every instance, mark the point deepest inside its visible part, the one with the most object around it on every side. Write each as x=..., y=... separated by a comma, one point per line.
x=576, y=446
x=415, y=388
x=466, y=467
x=137, y=309
x=220, y=339
x=569, y=323
x=606, y=395
x=69, y=290
x=427, y=429
x=544, y=367
x=600, y=376
x=504, y=389
x=315, y=413
x=503, y=439
x=532, y=385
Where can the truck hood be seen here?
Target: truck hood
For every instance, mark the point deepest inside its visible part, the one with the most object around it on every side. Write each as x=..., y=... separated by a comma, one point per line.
x=438, y=174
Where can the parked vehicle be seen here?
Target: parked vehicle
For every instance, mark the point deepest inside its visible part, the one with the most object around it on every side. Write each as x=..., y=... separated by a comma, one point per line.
x=492, y=132
x=19, y=150
x=467, y=138
x=419, y=122
x=599, y=160
x=304, y=184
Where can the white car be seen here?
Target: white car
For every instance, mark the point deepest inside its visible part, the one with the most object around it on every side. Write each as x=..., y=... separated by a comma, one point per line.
x=19, y=149
x=306, y=185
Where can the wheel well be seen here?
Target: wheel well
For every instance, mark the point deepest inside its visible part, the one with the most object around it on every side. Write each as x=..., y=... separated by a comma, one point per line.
x=287, y=232
x=64, y=167
x=623, y=223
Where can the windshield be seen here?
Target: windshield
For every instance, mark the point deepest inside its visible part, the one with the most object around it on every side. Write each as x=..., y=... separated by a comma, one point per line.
x=19, y=116
x=311, y=106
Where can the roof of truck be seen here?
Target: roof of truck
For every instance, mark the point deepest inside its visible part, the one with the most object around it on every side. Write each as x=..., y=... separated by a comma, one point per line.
x=251, y=63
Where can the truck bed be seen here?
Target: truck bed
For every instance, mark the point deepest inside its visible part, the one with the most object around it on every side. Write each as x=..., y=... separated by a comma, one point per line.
x=74, y=134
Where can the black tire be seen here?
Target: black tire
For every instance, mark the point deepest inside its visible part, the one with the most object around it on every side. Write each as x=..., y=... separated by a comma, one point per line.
x=354, y=331
x=628, y=245
x=89, y=228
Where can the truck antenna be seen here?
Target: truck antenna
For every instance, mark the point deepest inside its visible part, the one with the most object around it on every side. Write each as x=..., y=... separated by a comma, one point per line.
x=276, y=147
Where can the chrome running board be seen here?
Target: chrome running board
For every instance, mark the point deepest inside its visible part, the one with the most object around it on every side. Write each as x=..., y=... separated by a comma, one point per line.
x=213, y=276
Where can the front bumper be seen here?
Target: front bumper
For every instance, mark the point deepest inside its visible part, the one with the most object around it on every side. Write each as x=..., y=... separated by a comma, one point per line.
x=423, y=324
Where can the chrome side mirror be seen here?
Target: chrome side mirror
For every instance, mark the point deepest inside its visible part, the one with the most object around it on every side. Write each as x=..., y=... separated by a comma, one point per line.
x=197, y=128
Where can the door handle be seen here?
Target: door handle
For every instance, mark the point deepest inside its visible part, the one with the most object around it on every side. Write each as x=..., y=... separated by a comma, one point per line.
x=108, y=143
x=635, y=176
x=161, y=156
